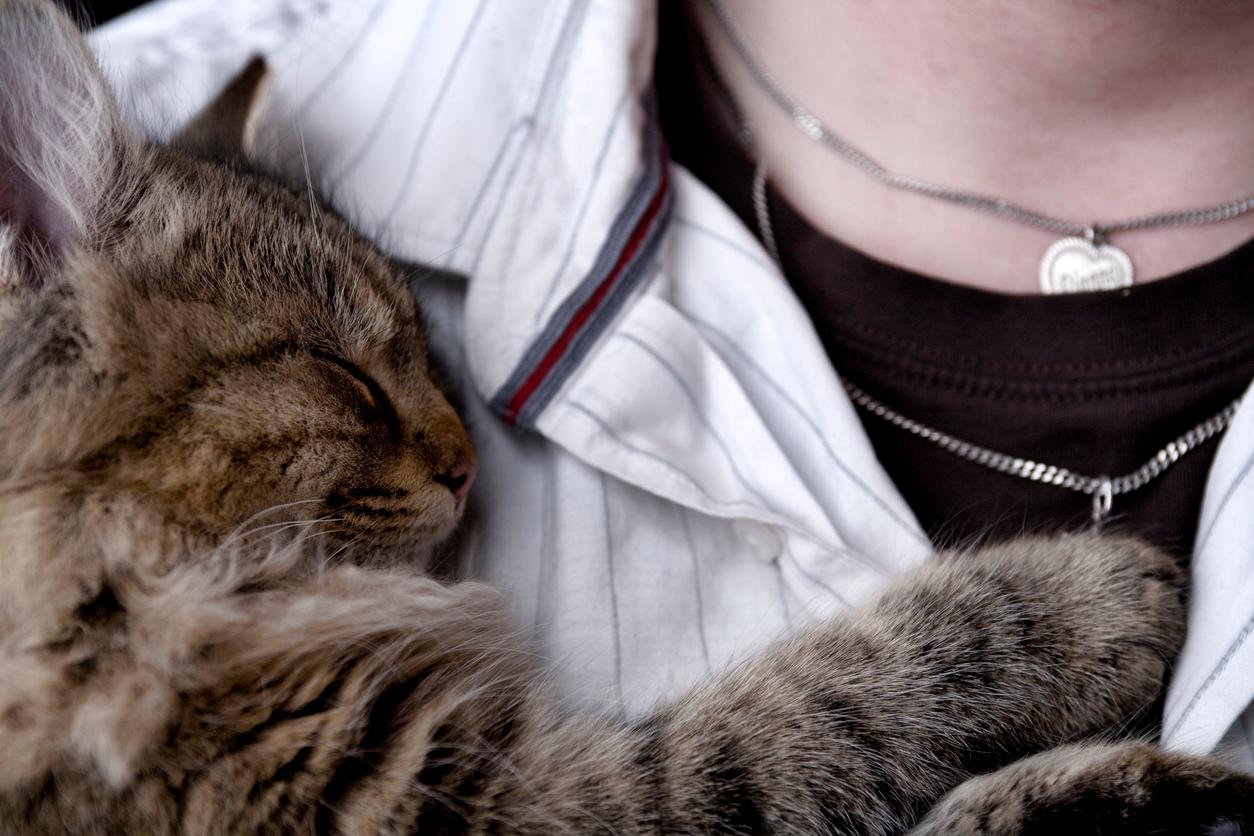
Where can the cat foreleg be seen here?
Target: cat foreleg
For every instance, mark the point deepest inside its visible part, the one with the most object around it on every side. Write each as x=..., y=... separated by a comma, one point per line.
x=1129, y=788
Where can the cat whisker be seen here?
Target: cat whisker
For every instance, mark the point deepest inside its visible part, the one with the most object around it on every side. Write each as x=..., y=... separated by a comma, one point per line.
x=241, y=529
x=353, y=542
x=313, y=200
x=279, y=526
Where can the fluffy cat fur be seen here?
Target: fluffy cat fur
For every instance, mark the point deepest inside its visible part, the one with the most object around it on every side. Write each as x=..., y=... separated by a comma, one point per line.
x=221, y=459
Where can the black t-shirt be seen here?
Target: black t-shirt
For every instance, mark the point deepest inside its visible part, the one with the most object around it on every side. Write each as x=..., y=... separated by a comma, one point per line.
x=1094, y=382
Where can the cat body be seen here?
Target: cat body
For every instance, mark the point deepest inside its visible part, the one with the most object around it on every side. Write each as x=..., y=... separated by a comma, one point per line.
x=222, y=458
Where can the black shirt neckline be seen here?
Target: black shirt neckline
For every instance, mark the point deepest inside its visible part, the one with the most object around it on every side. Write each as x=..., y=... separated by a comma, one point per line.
x=1093, y=382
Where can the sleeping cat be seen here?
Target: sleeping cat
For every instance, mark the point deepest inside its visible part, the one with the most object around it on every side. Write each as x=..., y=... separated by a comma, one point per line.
x=222, y=460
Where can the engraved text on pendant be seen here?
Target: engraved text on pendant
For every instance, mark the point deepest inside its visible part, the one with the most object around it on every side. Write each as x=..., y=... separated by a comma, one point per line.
x=1074, y=265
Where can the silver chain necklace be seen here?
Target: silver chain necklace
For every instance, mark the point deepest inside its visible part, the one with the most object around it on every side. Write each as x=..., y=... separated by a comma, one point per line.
x=1082, y=260
x=1102, y=489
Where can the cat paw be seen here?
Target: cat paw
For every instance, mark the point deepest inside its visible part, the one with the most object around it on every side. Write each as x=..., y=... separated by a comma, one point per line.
x=1122, y=789
x=1102, y=615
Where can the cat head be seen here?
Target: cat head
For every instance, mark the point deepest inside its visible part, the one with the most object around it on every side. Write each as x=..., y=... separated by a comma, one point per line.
x=191, y=341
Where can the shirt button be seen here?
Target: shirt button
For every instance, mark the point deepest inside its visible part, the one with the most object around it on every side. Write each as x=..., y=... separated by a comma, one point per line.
x=758, y=539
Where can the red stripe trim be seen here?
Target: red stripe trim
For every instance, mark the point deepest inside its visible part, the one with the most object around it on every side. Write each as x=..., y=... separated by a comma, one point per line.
x=588, y=308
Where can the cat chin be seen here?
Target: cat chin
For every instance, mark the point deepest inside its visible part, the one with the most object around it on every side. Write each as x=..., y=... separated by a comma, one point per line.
x=414, y=553
x=409, y=557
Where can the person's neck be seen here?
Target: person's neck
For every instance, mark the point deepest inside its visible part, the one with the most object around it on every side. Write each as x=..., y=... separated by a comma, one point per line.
x=1089, y=110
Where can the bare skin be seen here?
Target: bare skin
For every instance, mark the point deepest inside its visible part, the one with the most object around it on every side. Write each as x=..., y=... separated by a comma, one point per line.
x=1091, y=110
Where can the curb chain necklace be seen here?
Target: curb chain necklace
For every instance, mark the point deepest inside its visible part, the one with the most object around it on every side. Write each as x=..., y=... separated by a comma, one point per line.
x=1102, y=489
x=1083, y=260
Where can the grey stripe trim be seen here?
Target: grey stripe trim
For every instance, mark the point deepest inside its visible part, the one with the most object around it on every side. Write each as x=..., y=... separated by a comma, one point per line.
x=1223, y=503
x=849, y=472
x=1222, y=665
x=598, y=167
x=621, y=230
x=624, y=287
x=696, y=583
x=415, y=154
x=609, y=562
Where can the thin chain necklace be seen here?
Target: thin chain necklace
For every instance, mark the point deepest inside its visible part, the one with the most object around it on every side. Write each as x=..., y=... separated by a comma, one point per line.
x=1102, y=489
x=1082, y=260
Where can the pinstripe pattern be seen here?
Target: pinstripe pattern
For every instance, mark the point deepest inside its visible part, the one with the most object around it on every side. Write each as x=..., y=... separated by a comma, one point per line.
x=786, y=398
x=615, y=621
x=582, y=214
x=345, y=58
x=695, y=405
x=817, y=581
x=571, y=20
x=546, y=116
x=511, y=174
x=757, y=258
x=411, y=165
x=1204, y=539
x=517, y=133
x=548, y=534
x=596, y=418
x=696, y=587
x=782, y=588
x=486, y=203
x=345, y=170
x=1210, y=681
x=1220, y=667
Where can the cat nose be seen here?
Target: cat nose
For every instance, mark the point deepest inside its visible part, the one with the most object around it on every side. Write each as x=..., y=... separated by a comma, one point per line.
x=458, y=479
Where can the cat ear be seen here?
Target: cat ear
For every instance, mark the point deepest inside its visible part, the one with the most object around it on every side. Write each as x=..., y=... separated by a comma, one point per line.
x=61, y=139
x=220, y=130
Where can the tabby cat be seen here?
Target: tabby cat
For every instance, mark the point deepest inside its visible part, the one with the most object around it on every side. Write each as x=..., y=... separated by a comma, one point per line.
x=222, y=457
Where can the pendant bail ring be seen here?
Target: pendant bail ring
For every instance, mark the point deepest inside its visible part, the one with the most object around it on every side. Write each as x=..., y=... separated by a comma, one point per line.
x=1103, y=498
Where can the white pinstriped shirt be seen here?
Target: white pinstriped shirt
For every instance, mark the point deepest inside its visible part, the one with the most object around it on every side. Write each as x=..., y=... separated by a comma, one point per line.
x=672, y=474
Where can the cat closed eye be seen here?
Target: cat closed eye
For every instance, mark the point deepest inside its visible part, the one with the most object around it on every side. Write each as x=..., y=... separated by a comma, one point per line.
x=371, y=392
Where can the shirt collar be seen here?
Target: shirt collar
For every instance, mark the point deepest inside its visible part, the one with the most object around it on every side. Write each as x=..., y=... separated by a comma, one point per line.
x=1212, y=684
x=516, y=143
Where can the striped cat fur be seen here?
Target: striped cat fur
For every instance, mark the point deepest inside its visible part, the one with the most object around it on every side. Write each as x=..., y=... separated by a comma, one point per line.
x=222, y=456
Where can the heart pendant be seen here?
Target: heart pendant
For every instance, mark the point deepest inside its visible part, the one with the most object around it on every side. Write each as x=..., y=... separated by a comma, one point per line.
x=1076, y=265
